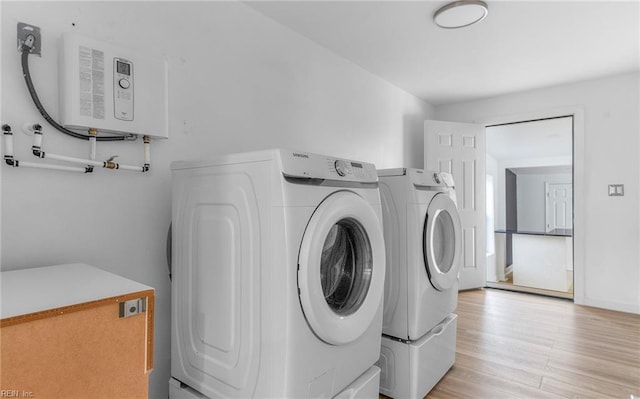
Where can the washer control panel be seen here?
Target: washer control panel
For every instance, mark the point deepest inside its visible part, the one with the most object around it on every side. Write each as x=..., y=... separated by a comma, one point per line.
x=315, y=166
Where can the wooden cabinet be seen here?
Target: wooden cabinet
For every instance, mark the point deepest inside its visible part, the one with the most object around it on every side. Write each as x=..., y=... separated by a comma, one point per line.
x=74, y=331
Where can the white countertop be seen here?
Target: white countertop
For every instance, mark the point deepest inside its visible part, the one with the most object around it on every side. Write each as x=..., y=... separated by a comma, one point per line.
x=42, y=288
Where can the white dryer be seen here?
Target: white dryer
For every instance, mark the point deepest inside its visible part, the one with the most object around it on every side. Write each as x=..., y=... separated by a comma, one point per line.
x=278, y=277
x=423, y=250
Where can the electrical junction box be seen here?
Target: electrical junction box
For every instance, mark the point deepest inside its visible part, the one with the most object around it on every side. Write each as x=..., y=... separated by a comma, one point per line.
x=112, y=89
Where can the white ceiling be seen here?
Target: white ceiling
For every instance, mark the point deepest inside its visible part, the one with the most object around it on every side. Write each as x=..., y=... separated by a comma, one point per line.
x=521, y=45
x=549, y=138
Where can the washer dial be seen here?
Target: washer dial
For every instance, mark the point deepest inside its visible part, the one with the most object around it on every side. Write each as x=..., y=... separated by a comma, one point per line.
x=342, y=167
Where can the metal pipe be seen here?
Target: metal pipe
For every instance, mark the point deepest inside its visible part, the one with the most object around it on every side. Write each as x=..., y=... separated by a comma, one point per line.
x=8, y=141
x=65, y=158
x=11, y=161
x=92, y=143
x=93, y=138
x=129, y=167
x=50, y=166
x=88, y=163
x=109, y=164
x=36, y=148
x=37, y=139
x=147, y=153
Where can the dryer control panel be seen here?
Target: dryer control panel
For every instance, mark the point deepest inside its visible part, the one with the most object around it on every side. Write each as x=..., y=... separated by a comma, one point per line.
x=430, y=178
x=314, y=166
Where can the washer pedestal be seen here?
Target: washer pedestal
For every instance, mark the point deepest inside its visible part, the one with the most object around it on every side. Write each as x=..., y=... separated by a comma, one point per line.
x=412, y=369
x=366, y=386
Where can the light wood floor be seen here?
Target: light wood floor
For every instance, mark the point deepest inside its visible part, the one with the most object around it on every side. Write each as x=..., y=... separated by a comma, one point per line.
x=514, y=345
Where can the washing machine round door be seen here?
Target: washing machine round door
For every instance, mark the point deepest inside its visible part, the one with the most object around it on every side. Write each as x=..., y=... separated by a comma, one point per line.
x=442, y=242
x=341, y=268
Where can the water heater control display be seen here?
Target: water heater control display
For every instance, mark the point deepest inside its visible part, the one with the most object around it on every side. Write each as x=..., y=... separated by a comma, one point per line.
x=123, y=89
x=123, y=68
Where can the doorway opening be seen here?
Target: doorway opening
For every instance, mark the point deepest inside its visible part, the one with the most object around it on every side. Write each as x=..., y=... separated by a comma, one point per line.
x=529, y=200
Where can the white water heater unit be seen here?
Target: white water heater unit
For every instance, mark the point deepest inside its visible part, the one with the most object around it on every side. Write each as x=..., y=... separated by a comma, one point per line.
x=111, y=89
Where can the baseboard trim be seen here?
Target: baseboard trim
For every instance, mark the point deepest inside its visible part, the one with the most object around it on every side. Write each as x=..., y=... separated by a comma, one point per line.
x=530, y=290
x=610, y=305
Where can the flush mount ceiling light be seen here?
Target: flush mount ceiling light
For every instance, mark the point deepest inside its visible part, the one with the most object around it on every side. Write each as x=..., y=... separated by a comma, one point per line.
x=460, y=14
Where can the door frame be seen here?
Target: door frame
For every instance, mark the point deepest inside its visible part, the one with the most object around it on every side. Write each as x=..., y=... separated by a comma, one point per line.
x=579, y=192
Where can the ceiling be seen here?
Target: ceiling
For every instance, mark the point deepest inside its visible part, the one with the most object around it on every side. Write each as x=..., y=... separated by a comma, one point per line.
x=548, y=138
x=521, y=45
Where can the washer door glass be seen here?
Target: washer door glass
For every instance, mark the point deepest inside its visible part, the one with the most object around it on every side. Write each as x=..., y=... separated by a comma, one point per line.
x=442, y=242
x=345, y=266
x=341, y=268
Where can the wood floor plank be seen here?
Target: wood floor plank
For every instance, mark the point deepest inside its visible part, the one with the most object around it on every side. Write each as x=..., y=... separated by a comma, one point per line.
x=584, y=384
x=550, y=384
x=530, y=337
x=617, y=339
x=498, y=368
x=599, y=350
x=608, y=370
x=515, y=345
x=471, y=382
x=442, y=393
x=505, y=354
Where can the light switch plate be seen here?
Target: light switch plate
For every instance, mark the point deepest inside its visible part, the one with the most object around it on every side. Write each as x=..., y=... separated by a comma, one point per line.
x=616, y=190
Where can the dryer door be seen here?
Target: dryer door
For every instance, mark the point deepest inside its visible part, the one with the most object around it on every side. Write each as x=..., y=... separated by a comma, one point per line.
x=341, y=268
x=442, y=244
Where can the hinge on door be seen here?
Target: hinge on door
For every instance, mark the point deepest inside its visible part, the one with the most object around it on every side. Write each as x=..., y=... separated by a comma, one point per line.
x=133, y=307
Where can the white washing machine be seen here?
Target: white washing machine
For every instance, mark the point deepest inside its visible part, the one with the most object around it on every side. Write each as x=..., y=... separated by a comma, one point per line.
x=423, y=251
x=278, y=277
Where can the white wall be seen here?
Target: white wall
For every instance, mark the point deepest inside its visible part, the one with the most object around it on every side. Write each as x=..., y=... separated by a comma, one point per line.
x=532, y=199
x=238, y=81
x=610, y=259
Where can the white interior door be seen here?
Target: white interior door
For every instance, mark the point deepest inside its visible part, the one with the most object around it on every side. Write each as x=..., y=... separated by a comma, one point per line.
x=559, y=206
x=459, y=149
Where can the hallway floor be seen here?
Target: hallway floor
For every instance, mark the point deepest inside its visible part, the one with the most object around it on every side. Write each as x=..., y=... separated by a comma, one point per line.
x=527, y=346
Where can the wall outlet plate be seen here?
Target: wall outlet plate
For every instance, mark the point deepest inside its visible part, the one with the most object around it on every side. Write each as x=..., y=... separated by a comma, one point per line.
x=24, y=30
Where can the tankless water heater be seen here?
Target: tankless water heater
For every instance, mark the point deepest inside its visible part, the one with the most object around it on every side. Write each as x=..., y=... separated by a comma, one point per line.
x=111, y=88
